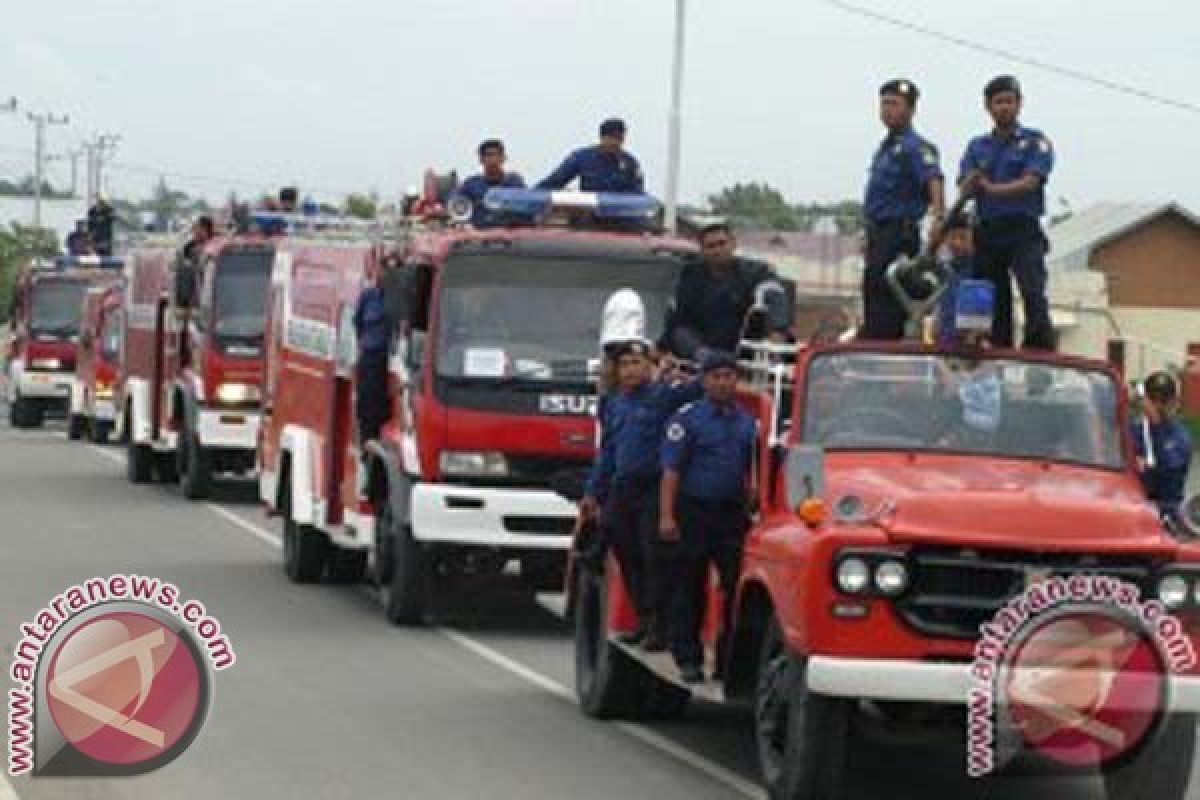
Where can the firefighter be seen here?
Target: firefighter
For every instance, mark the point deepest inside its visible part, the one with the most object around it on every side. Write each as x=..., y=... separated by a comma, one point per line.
x=1007, y=170
x=1163, y=445
x=77, y=240
x=289, y=199
x=716, y=293
x=904, y=181
x=960, y=241
x=202, y=232
x=625, y=478
x=373, y=329
x=705, y=504
x=604, y=167
x=492, y=158
x=100, y=226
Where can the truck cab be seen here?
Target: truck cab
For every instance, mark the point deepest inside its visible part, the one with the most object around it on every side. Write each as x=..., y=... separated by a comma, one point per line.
x=92, y=407
x=47, y=304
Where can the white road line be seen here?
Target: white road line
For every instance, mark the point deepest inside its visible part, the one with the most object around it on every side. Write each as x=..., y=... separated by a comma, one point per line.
x=7, y=792
x=116, y=458
x=643, y=734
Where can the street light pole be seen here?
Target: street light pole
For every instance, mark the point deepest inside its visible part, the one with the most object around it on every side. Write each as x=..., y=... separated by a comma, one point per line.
x=40, y=121
x=675, y=119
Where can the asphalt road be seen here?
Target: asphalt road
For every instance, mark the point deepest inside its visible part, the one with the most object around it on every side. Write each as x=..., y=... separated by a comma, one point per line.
x=326, y=700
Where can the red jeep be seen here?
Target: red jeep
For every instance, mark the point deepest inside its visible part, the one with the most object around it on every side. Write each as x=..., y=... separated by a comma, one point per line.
x=907, y=495
x=92, y=409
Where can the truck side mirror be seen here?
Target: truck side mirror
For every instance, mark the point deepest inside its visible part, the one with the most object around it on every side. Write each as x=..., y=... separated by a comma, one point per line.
x=185, y=286
x=804, y=473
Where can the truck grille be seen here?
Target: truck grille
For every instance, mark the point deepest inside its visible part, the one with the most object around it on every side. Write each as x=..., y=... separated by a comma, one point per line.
x=531, y=472
x=955, y=591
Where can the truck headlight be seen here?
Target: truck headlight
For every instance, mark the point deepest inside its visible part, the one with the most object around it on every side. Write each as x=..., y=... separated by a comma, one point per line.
x=461, y=463
x=104, y=391
x=891, y=577
x=1173, y=591
x=48, y=364
x=853, y=575
x=237, y=394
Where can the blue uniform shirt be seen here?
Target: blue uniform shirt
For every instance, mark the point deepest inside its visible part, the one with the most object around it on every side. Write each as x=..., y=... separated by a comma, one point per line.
x=631, y=430
x=371, y=324
x=598, y=171
x=1166, y=481
x=711, y=447
x=897, y=185
x=476, y=186
x=1006, y=160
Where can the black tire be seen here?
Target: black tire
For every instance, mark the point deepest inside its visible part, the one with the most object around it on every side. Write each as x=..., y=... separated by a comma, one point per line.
x=1163, y=770
x=24, y=414
x=194, y=466
x=801, y=737
x=304, y=549
x=99, y=431
x=77, y=425
x=139, y=462
x=608, y=683
x=346, y=565
x=164, y=468
x=407, y=589
x=661, y=700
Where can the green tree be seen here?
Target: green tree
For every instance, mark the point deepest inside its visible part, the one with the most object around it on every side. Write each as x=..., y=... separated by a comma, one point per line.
x=19, y=244
x=362, y=206
x=755, y=205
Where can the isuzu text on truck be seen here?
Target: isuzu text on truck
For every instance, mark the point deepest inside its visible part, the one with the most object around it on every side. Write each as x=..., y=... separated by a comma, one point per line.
x=492, y=394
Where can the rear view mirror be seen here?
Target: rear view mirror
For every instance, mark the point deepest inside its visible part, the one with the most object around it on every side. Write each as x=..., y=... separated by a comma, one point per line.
x=805, y=473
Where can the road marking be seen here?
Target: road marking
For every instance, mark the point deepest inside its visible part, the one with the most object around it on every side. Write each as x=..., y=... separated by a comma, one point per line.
x=7, y=792
x=643, y=734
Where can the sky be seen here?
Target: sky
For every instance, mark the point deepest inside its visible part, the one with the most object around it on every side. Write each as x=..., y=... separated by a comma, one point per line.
x=349, y=95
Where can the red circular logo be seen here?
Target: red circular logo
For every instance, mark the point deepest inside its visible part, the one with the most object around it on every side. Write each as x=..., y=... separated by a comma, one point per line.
x=1085, y=688
x=124, y=688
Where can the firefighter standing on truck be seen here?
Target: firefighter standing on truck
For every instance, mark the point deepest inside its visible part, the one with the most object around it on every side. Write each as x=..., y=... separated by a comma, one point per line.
x=905, y=181
x=605, y=167
x=1163, y=446
x=475, y=188
x=1007, y=170
x=625, y=480
x=705, y=504
x=373, y=329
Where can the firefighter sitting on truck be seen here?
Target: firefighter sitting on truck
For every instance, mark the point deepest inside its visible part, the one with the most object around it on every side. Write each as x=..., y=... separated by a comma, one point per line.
x=705, y=504
x=373, y=329
x=1163, y=446
x=624, y=480
x=491, y=157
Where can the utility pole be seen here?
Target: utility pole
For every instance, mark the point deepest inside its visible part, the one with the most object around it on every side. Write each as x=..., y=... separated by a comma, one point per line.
x=99, y=151
x=675, y=118
x=9, y=105
x=40, y=121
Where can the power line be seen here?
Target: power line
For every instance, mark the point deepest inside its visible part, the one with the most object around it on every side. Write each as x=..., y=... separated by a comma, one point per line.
x=1029, y=61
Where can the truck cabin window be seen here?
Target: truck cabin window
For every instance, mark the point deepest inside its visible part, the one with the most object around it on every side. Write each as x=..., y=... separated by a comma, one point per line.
x=56, y=308
x=992, y=407
x=239, y=299
x=537, y=319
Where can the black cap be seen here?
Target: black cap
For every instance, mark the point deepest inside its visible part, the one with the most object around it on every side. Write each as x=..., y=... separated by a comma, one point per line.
x=612, y=127
x=1001, y=83
x=717, y=359
x=633, y=347
x=1161, y=387
x=904, y=88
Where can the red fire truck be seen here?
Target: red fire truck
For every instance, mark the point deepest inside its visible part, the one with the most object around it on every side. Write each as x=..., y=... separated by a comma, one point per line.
x=493, y=377
x=92, y=411
x=907, y=495
x=192, y=372
x=47, y=302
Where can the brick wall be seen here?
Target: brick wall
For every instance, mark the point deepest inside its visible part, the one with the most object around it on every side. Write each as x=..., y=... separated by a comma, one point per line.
x=1156, y=265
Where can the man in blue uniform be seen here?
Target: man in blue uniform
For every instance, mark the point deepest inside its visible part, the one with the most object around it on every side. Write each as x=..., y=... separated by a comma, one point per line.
x=1007, y=170
x=1163, y=445
x=373, y=328
x=905, y=180
x=704, y=506
x=492, y=157
x=605, y=167
x=625, y=479
x=714, y=295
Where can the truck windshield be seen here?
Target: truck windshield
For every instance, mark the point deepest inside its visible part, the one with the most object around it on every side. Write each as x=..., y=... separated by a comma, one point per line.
x=110, y=336
x=240, y=296
x=57, y=307
x=993, y=407
x=537, y=318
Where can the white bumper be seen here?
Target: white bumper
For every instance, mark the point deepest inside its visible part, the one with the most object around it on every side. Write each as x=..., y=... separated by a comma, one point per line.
x=104, y=409
x=228, y=430
x=944, y=684
x=55, y=385
x=506, y=518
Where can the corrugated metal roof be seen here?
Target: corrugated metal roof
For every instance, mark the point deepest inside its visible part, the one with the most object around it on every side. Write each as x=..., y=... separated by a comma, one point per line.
x=1073, y=240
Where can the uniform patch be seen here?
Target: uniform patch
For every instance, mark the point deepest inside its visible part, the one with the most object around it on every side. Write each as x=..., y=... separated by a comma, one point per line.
x=1044, y=145
x=929, y=154
x=675, y=432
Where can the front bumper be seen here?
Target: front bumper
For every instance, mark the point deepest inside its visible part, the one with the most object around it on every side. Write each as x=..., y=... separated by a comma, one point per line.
x=104, y=410
x=527, y=519
x=942, y=684
x=44, y=385
x=228, y=429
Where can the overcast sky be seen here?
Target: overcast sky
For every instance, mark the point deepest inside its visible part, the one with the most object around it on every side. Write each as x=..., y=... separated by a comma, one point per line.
x=340, y=95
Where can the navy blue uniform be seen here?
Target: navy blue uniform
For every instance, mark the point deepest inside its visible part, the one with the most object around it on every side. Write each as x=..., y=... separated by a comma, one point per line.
x=710, y=310
x=475, y=187
x=1009, y=234
x=1166, y=481
x=373, y=328
x=625, y=480
x=896, y=198
x=711, y=447
x=598, y=171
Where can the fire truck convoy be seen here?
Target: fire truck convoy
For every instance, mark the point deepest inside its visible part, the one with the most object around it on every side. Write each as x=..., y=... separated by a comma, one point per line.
x=492, y=394
x=192, y=373
x=92, y=411
x=47, y=303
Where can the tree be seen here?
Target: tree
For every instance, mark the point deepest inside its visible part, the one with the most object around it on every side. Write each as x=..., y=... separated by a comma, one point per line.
x=19, y=244
x=362, y=206
x=755, y=205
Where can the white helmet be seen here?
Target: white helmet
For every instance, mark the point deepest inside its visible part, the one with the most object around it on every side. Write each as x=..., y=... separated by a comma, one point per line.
x=624, y=319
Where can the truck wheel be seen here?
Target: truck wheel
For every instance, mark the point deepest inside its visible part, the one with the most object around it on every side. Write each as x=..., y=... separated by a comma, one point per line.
x=346, y=565
x=100, y=431
x=194, y=467
x=24, y=413
x=801, y=736
x=662, y=700
x=76, y=425
x=139, y=462
x=304, y=549
x=406, y=592
x=608, y=682
x=164, y=468
x=1163, y=769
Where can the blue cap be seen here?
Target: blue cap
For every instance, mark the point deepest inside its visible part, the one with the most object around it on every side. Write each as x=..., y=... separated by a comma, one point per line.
x=717, y=359
x=612, y=127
